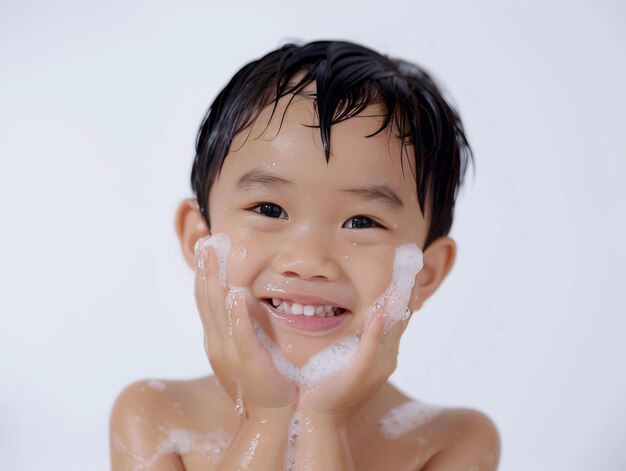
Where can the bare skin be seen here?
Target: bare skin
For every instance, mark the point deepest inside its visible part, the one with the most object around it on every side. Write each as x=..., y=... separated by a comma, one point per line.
x=452, y=440
x=316, y=239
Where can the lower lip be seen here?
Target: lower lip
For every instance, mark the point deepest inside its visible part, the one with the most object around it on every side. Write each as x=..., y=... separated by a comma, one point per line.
x=308, y=323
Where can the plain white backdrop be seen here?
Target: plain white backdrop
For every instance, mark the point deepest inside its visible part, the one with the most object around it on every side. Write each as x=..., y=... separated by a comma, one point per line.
x=99, y=107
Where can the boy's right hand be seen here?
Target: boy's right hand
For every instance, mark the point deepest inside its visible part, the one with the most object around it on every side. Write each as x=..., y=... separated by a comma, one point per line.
x=242, y=365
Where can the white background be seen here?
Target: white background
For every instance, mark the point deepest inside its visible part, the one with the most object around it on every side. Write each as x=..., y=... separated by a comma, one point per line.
x=99, y=108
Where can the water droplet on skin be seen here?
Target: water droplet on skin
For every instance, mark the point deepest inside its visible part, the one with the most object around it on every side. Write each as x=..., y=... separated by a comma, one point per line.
x=289, y=347
x=242, y=252
x=347, y=257
x=271, y=287
x=354, y=244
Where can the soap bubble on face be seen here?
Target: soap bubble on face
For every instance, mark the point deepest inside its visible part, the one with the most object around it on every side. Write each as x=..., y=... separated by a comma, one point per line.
x=408, y=261
x=221, y=244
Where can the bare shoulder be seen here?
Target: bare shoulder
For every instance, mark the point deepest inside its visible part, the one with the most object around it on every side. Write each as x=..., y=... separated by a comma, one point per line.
x=425, y=436
x=469, y=439
x=149, y=415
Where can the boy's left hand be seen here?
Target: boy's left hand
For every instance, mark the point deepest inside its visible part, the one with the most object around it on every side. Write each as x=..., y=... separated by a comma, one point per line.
x=337, y=398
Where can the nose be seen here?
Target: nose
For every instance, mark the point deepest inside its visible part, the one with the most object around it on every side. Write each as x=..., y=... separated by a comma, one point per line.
x=308, y=255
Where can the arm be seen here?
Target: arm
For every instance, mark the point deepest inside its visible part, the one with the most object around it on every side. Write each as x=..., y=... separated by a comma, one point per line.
x=477, y=449
x=264, y=399
x=323, y=444
x=258, y=444
x=326, y=408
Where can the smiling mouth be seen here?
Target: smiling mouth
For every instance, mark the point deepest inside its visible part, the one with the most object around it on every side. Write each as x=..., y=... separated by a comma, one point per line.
x=305, y=310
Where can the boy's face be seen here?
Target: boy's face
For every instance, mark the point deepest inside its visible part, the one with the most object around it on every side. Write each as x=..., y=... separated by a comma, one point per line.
x=303, y=229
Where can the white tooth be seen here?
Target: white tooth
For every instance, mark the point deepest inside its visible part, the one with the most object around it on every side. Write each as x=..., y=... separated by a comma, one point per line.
x=319, y=310
x=330, y=314
x=328, y=309
x=309, y=310
x=276, y=302
x=281, y=307
x=297, y=309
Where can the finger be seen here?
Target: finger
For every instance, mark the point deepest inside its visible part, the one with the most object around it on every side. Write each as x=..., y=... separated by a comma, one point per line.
x=391, y=339
x=242, y=324
x=218, y=297
x=203, y=262
x=369, y=345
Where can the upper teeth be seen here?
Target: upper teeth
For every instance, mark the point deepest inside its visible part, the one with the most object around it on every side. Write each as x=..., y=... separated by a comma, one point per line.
x=306, y=309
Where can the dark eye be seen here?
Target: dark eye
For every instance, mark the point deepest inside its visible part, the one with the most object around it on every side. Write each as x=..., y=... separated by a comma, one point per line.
x=360, y=222
x=270, y=210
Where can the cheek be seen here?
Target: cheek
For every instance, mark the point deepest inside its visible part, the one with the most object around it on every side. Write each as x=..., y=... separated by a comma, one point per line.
x=245, y=260
x=371, y=274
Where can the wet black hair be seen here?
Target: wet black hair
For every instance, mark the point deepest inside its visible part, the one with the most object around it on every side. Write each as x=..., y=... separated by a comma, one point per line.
x=348, y=78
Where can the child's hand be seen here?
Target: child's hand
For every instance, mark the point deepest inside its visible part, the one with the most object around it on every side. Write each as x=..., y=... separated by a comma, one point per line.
x=337, y=398
x=241, y=364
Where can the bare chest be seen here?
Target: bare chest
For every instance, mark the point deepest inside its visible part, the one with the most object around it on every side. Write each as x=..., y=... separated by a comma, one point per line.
x=368, y=449
x=211, y=423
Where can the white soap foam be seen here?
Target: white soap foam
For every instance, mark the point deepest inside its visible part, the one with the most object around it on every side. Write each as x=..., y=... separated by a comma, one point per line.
x=319, y=366
x=156, y=384
x=183, y=442
x=329, y=361
x=284, y=366
x=407, y=263
x=406, y=417
x=221, y=243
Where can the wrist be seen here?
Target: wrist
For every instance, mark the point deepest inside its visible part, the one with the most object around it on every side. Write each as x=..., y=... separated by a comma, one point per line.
x=269, y=415
x=323, y=420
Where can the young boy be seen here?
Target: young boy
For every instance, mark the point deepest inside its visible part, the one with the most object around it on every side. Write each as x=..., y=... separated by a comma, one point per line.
x=326, y=176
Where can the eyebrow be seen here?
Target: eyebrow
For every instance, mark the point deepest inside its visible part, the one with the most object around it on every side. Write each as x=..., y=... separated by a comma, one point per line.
x=382, y=193
x=258, y=177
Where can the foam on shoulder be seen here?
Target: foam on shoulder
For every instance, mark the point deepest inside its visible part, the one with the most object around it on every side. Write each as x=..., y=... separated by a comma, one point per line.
x=156, y=384
x=406, y=417
x=182, y=441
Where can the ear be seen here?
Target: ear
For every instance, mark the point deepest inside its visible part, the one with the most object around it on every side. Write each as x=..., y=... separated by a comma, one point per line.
x=190, y=226
x=438, y=261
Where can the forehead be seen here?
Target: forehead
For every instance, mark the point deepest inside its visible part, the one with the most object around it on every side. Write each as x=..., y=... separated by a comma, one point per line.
x=285, y=141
